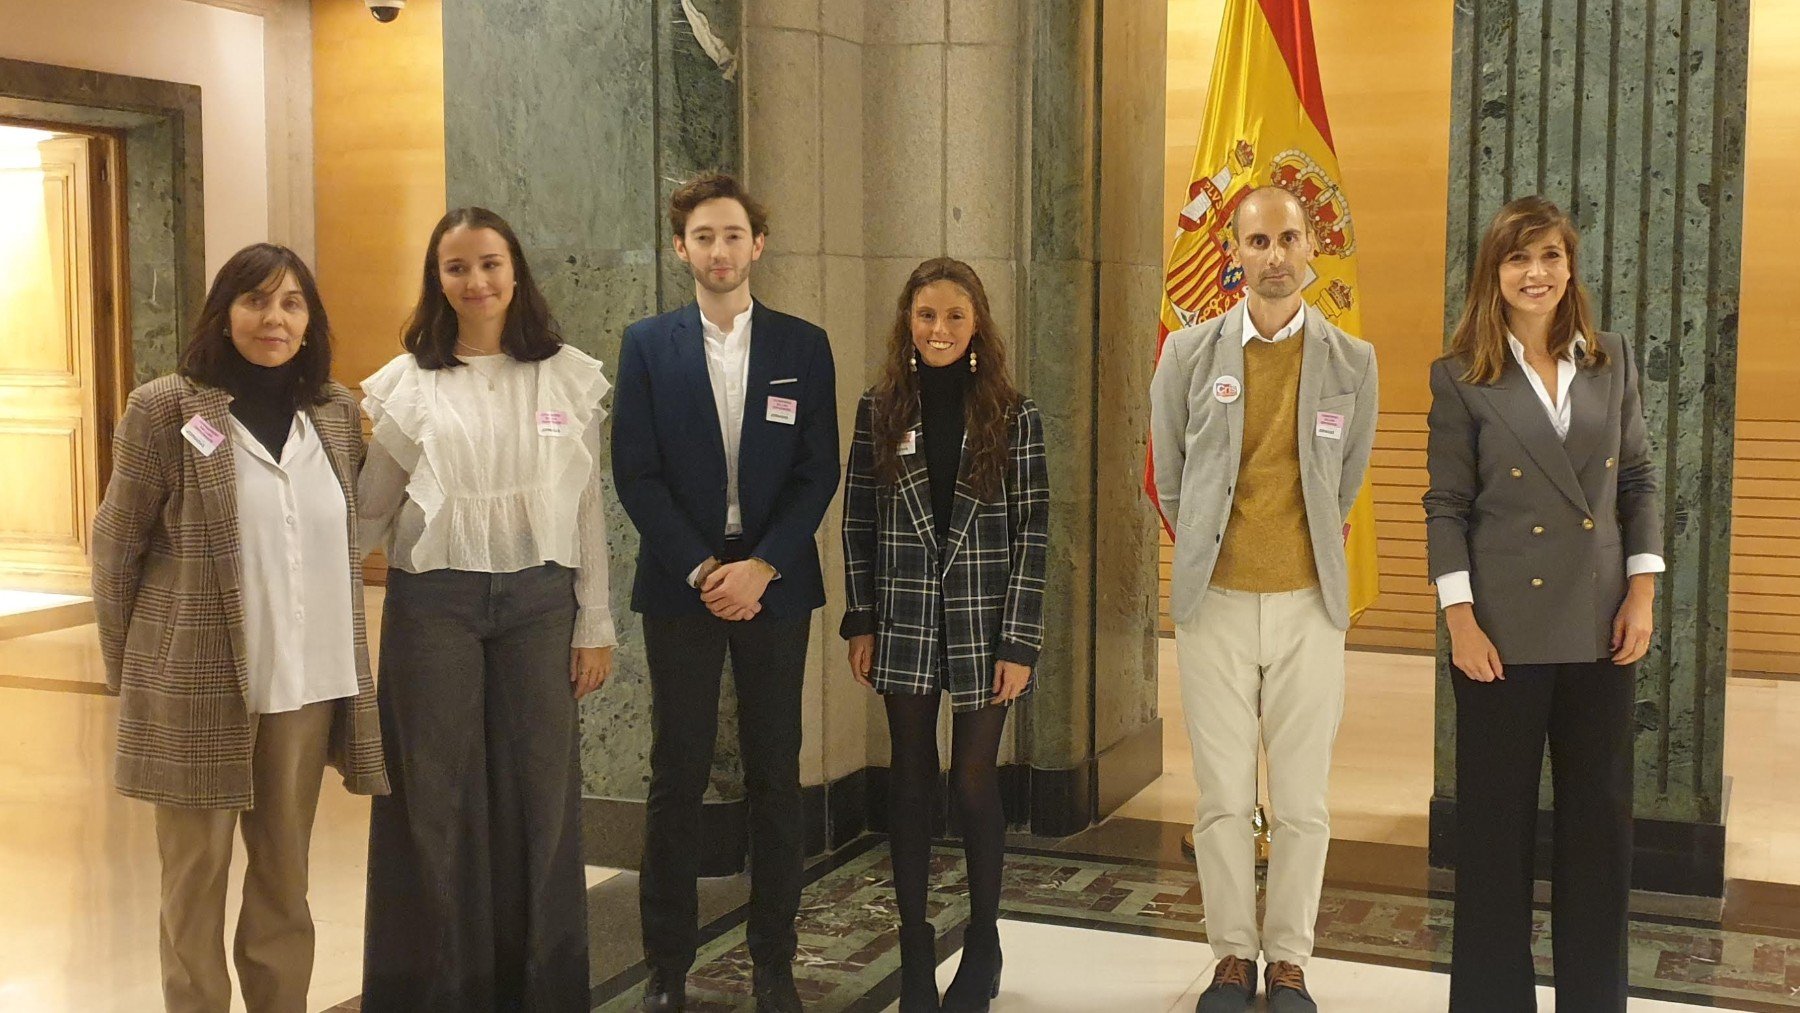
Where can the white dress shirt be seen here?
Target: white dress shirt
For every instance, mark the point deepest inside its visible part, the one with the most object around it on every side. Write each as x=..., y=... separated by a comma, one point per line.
x=462, y=474
x=1288, y=330
x=293, y=534
x=1454, y=588
x=728, y=366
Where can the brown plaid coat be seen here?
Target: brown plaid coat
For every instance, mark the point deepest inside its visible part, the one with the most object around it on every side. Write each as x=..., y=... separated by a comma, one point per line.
x=167, y=600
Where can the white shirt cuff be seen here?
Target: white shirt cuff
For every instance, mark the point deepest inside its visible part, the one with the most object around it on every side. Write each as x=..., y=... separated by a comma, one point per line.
x=694, y=577
x=594, y=628
x=1644, y=562
x=1454, y=589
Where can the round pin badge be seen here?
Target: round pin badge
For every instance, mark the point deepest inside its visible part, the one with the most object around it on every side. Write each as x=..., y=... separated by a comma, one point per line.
x=1226, y=389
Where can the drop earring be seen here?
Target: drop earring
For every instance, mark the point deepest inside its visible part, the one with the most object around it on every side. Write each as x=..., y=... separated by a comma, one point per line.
x=971, y=360
x=915, y=362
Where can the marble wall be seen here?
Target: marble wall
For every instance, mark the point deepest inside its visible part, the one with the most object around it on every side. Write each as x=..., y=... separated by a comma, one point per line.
x=572, y=121
x=1634, y=122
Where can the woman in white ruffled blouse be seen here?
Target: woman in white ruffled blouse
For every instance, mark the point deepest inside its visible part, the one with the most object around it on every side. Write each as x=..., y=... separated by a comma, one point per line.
x=483, y=485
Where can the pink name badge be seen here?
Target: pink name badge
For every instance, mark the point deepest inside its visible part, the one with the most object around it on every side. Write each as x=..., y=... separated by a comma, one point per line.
x=783, y=410
x=1330, y=425
x=202, y=435
x=553, y=423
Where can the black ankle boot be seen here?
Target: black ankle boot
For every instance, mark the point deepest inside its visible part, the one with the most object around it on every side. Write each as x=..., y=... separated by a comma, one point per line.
x=977, y=979
x=918, y=969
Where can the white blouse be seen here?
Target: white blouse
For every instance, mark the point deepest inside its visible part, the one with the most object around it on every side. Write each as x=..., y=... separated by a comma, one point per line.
x=294, y=537
x=491, y=467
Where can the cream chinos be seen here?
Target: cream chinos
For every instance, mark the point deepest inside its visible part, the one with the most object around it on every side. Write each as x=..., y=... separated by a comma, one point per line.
x=1274, y=663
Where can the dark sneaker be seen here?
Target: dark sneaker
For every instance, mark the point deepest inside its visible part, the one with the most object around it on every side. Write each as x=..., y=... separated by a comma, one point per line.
x=1287, y=989
x=666, y=993
x=1232, y=988
x=775, y=991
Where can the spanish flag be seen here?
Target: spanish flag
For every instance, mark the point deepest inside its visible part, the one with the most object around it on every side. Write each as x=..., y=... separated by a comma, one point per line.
x=1265, y=124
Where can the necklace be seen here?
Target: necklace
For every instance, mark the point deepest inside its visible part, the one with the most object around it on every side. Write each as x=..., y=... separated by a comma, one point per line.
x=487, y=375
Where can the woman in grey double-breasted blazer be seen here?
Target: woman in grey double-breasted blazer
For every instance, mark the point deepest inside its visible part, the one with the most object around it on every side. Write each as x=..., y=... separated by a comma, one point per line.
x=1544, y=537
x=946, y=518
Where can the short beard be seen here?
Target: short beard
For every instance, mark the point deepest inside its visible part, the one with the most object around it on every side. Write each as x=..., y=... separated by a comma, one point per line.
x=704, y=279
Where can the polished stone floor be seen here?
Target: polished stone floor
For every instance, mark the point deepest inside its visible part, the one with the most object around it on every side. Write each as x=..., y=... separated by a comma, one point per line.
x=1115, y=905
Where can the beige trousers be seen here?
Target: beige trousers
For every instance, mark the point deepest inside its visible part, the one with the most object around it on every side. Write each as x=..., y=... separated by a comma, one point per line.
x=1271, y=664
x=274, y=947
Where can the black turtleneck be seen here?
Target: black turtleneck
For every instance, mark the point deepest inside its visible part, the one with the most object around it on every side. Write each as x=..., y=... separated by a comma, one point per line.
x=941, y=390
x=262, y=398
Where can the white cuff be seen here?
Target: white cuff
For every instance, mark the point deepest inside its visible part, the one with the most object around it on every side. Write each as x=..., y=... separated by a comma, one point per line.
x=694, y=577
x=1644, y=562
x=1454, y=589
x=594, y=628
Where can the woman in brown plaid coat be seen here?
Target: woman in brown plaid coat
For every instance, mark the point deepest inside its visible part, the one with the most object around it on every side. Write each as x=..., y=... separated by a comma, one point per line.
x=228, y=595
x=946, y=524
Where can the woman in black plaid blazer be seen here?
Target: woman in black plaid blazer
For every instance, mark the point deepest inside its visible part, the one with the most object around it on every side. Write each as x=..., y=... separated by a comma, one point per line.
x=945, y=529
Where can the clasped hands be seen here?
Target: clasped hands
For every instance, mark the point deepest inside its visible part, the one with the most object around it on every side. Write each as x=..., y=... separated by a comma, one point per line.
x=734, y=591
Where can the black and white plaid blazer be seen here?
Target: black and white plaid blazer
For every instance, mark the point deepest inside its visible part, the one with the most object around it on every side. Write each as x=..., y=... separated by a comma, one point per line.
x=977, y=598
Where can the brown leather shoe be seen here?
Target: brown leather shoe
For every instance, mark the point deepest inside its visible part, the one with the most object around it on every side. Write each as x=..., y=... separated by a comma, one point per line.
x=1232, y=988
x=1287, y=989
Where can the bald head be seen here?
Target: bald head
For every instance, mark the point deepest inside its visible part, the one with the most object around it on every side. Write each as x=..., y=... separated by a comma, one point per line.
x=1264, y=199
x=1274, y=243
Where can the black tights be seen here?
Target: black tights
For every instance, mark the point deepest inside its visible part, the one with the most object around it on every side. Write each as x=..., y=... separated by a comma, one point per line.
x=974, y=787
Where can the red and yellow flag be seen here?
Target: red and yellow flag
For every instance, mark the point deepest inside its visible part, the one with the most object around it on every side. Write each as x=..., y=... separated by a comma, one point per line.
x=1265, y=123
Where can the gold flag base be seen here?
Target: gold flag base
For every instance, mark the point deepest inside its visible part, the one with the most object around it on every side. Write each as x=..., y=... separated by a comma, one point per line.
x=1259, y=823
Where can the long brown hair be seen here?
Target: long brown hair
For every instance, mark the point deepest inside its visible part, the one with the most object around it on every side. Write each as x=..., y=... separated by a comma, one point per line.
x=1480, y=336
x=260, y=268
x=530, y=332
x=987, y=408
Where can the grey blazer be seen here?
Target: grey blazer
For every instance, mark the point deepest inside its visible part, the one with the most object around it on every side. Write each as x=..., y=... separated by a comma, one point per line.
x=1543, y=525
x=1196, y=440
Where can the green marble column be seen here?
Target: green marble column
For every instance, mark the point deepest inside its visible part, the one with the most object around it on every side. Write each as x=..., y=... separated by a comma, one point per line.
x=1630, y=114
x=1085, y=341
x=574, y=121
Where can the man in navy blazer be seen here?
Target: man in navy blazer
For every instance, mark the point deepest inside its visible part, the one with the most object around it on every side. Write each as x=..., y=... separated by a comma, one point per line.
x=725, y=455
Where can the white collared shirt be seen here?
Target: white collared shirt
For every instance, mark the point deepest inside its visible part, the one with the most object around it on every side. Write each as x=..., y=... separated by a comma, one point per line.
x=1288, y=330
x=1454, y=588
x=728, y=366
x=299, y=640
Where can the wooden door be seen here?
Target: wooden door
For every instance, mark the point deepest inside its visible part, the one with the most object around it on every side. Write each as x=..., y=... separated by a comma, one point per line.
x=49, y=467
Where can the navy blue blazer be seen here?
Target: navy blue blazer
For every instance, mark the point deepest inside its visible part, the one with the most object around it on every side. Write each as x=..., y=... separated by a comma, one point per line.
x=669, y=460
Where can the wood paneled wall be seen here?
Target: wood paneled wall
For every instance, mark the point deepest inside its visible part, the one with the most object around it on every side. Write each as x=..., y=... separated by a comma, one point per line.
x=1395, y=169
x=378, y=165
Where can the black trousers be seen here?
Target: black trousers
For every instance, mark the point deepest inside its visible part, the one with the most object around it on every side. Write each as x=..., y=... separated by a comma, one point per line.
x=476, y=898
x=1584, y=710
x=768, y=664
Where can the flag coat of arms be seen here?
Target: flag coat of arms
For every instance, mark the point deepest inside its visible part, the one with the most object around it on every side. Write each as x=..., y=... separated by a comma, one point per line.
x=1265, y=124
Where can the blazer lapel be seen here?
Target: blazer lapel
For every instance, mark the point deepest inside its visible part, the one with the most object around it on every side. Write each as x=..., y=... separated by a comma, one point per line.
x=216, y=485
x=915, y=488
x=1229, y=362
x=1312, y=380
x=1589, y=396
x=765, y=350
x=333, y=432
x=1518, y=406
x=690, y=359
x=962, y=510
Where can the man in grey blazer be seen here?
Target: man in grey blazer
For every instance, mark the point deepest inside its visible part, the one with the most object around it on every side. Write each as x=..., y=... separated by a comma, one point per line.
x=1262, y=421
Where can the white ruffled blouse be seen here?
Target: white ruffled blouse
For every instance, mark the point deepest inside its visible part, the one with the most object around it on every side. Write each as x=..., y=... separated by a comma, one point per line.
x=491, y=467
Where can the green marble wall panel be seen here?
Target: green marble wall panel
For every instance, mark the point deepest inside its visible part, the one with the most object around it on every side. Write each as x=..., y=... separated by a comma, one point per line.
x=574, y=121
x=1631, y=116
x=1057, y=342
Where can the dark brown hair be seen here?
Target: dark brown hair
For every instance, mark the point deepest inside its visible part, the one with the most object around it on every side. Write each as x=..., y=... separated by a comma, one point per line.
x=713, y=186
x=1480, y=335
x=210, y=357
x=530, y=333
x=991, y=401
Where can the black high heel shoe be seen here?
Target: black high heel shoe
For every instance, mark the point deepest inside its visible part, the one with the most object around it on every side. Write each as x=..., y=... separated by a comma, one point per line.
x=918, y=969
x=977, y=980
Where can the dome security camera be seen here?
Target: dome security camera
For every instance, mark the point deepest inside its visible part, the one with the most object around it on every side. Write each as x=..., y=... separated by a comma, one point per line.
x=385, y=11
